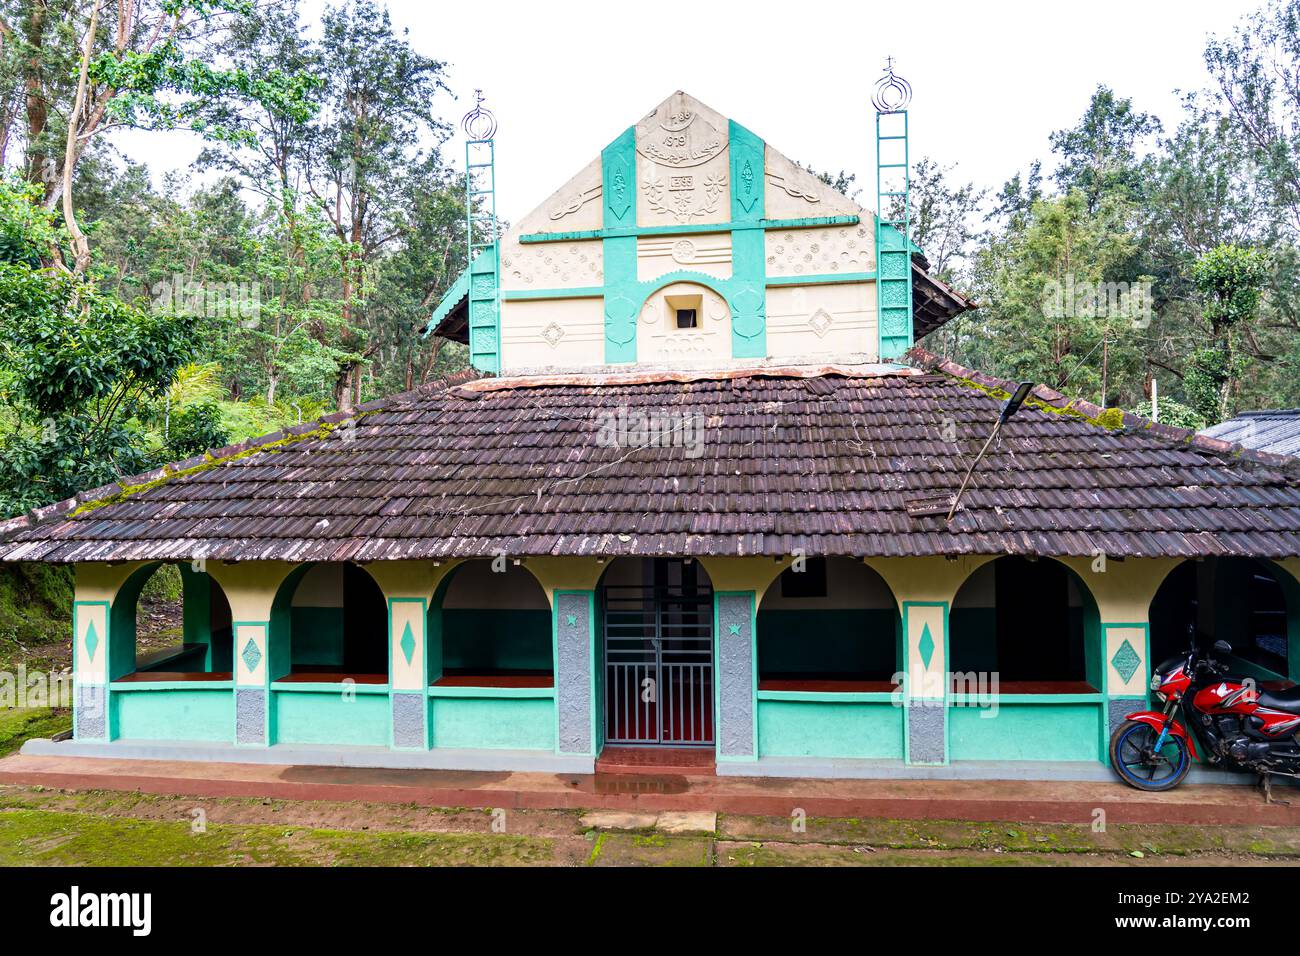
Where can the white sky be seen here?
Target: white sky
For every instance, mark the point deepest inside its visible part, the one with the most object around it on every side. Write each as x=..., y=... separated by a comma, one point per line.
x=991, y=78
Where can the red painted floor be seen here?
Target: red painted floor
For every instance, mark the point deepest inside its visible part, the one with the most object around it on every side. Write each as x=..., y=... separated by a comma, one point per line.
x=687, y=761
x=1026, y=801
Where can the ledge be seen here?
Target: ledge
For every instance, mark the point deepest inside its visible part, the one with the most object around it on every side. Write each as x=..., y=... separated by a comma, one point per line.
x=329, y=687
x=129, y=687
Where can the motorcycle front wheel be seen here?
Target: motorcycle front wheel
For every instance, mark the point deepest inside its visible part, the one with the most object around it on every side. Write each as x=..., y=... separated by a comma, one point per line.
x=1135, y=760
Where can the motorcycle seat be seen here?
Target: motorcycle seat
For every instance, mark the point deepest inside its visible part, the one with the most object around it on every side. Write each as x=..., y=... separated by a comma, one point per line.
x=1287, y=699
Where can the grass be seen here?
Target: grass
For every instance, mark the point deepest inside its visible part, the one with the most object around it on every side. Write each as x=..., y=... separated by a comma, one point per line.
x=53, y=838
x=18, y=725
x=49, y=827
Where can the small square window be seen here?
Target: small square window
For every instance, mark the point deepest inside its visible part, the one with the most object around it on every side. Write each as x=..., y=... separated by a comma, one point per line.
x=687, y=319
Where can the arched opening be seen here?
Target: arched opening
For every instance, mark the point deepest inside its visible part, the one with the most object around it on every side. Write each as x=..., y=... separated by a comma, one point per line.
x=831, y=626
x=329, y=624
x=656, y=652
x=490, y=628
x=1249, y=603
x=171, y=622
x=1022, y=626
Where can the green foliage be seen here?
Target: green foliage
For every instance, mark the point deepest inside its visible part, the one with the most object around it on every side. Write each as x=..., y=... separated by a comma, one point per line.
x=1230, y=279
x=195, y=429
x=35, y=607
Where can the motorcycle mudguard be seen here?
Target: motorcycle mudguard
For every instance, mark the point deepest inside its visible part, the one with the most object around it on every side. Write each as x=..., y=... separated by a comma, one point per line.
x=1155, y=719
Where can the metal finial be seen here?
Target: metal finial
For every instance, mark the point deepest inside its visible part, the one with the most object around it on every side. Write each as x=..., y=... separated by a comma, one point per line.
x=892, y=93
x=479, y=123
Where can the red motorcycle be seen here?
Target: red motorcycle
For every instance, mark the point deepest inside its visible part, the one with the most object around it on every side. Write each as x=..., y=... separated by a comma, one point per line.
x=1224, y=720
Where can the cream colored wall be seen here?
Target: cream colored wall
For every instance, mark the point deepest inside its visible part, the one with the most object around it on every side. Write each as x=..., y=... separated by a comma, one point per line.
x=850, y=585
x=476, y=585
x=574, y=207
x=559, y=333
x=794, y=193
x=322, y=586
x=830, y=320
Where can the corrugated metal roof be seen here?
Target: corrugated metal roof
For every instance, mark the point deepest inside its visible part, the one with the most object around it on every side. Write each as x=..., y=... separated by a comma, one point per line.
x=1276, y=431
x=825, y=462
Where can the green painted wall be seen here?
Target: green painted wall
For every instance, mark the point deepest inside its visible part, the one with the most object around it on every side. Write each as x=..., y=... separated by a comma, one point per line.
x=317, y=636
x=831, y=641
x=207, y=715
x=493, y=723
x=817, y=729
x=477, y=639
x=327, y=717
x=1026, y=732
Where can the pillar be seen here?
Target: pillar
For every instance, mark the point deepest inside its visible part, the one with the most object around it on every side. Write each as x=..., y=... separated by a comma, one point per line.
x=97, y=587
x=735, y=669
x=251, y=588
x=409, y=671
x=575, y=633
x=414, y=644
x=925, y=686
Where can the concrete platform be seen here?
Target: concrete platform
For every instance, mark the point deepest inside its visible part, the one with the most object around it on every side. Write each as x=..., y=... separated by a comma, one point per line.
x=1057, y=801
x=321, y=755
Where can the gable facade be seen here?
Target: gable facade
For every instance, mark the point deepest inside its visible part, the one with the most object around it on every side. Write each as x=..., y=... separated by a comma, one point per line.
x=687, y=209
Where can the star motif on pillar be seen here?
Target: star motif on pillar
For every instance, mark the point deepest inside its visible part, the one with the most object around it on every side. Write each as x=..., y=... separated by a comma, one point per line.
x=571, y=620
x=734, y=629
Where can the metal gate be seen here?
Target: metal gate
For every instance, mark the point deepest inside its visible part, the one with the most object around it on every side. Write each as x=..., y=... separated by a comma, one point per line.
x=658, y=664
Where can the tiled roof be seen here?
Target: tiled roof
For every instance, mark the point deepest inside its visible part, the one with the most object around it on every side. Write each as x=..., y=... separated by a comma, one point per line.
x=824, y=460
x=1276, y=430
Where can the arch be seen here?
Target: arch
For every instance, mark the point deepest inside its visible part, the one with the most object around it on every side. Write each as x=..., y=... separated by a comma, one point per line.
x=651, y=286
x=835, y=626
x=205, y=649
x=1252, y=603
x=655, y=652
x=490, y=628
x=1032, y=623
x=329, y=623
x=686, y=320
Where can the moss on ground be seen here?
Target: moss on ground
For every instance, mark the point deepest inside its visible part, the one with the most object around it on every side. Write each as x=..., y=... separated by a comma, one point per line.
x=19, y=725
x=49, y=838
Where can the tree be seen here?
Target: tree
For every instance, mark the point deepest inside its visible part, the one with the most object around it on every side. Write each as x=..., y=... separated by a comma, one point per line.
x=1230, y=280
x=1098, y=156
x=79, y=369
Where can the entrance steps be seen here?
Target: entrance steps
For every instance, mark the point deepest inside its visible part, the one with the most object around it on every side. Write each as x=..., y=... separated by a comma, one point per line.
x=683, y=761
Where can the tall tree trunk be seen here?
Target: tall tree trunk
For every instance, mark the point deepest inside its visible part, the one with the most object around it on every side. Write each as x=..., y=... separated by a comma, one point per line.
x=72, y=149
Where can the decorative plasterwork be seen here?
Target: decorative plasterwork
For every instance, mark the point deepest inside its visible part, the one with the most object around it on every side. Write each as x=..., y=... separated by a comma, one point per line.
x=552, y=334
x=657, y=255
x=553, y=265
x=821, y=322
x=793, y=252
x=682, y=165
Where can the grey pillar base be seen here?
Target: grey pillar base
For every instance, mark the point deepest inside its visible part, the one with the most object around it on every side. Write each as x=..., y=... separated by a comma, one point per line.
x=90, y=712
x=410, y=714
x=927, y=733
x=1118, y=709
x=250, y=715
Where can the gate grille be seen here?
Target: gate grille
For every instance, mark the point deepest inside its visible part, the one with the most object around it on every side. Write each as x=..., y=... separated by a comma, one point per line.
x=658, y=665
